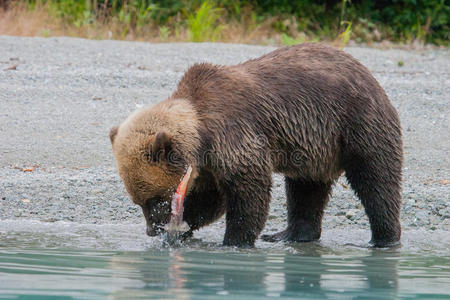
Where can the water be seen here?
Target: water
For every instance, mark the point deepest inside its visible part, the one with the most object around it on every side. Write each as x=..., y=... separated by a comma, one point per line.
x=65, y=261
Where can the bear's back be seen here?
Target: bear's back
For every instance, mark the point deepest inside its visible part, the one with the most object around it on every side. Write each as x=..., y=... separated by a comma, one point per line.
x=314, y=74
x=301, y=97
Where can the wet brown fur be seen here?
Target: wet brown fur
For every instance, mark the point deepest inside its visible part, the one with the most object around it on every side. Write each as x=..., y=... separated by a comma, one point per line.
x=309, y=112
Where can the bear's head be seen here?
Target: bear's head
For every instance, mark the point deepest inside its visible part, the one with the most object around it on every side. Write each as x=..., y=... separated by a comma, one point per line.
x=152, y=149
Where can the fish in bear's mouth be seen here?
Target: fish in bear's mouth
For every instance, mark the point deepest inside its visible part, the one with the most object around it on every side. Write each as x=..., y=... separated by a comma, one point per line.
x=176, y=226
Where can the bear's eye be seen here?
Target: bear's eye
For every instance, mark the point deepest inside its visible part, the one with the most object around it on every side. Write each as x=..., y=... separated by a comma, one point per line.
x=140, y=184
x=139, y=188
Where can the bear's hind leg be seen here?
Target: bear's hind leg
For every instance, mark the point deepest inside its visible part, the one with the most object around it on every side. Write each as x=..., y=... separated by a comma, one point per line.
x=378, y=187
x=306, y=202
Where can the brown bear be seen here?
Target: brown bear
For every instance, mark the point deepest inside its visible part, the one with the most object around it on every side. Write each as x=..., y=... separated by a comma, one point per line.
x=309, y=112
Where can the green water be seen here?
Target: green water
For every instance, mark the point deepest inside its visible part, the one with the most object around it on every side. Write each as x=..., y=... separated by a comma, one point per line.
x=39, y=263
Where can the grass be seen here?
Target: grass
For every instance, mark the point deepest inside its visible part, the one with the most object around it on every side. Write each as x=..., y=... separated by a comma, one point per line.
x=202, y=25
x=345, y=36
x=133, y=23
x=209, y=21
x=290, y=41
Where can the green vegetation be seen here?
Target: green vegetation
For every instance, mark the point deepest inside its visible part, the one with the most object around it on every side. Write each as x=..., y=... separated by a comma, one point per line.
x=345, y=36
x=289, y=41
x=202, y=25
x=280, y=21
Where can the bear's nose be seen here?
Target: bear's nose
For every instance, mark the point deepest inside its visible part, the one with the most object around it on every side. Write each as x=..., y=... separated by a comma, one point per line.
x=153, y=231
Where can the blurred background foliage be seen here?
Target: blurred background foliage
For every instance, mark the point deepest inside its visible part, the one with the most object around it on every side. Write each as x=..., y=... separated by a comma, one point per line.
x=251, y=21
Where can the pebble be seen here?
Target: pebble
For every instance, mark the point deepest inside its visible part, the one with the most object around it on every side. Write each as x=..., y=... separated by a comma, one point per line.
x=422, y=218
x=444, y=212
x=351, y=214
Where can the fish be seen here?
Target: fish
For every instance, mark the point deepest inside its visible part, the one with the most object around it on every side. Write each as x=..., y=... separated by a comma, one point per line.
x=176, y=226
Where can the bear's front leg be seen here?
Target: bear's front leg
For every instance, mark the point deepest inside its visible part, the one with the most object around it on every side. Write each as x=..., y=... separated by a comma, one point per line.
x=204, y=204
x=247, y=199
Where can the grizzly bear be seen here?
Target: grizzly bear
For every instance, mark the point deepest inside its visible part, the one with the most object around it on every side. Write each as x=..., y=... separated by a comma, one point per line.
x=309, y=112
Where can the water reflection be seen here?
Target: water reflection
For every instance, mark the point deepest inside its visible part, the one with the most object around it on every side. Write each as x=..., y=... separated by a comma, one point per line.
x=311, y=273
x=207, y=271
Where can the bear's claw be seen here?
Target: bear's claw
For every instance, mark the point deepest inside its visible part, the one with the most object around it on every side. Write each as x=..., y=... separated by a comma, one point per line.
x=289, y=236
x=384, y=244
x=277, y=237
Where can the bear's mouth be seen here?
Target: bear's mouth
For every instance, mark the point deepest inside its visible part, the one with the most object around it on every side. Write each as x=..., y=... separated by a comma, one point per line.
x=156, y=211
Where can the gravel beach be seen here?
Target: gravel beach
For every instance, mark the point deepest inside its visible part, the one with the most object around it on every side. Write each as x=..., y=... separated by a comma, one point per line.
x=60, y=96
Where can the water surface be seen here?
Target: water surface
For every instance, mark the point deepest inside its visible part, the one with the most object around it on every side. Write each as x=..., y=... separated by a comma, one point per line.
x=65, y=261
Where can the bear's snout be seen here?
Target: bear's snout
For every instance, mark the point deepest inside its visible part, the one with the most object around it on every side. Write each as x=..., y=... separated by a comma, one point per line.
x=157, y=214
x=154, y=230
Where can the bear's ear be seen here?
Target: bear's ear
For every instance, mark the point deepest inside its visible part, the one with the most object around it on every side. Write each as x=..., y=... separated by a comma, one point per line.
x=161, y=147
x=113, y=133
